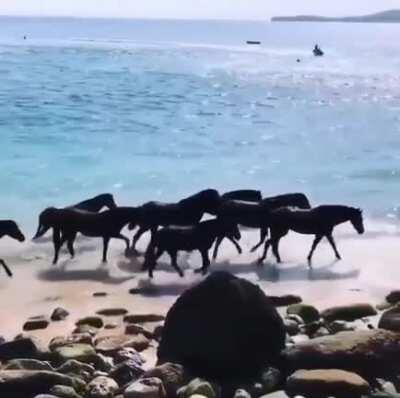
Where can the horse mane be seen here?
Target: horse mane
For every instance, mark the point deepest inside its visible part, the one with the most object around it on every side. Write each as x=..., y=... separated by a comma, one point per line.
x=190, y=199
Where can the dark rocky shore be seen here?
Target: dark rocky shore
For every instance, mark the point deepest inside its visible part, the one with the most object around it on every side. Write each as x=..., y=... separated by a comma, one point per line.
x=222, y=338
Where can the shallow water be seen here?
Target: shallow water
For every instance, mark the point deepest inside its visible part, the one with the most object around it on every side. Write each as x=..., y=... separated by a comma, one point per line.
x=151, y=109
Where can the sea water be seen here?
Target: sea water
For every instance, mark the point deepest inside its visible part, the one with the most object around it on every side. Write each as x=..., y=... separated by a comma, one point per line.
x=157, y=110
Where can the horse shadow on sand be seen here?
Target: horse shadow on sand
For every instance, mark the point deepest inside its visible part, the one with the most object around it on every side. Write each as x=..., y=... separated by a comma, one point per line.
x=102, y=273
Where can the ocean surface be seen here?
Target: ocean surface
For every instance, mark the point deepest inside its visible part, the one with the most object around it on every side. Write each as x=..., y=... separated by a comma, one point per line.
x=161, y=109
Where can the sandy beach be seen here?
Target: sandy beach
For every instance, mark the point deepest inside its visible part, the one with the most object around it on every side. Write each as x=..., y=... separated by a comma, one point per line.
x=368, y=271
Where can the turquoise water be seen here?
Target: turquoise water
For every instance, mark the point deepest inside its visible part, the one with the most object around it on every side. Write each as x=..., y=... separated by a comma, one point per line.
x=157, y=110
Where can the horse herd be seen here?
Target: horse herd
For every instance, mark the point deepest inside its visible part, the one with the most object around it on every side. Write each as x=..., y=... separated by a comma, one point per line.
x=183, y=228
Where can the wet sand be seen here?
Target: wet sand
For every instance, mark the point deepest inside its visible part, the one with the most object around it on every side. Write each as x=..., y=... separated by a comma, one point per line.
x=369, y=270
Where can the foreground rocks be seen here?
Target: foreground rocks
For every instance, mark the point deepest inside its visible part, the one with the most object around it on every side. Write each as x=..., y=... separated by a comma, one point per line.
x=348, y=313
x=216, y=334
x=390, y=320
x=326, y=383
x=373, y=353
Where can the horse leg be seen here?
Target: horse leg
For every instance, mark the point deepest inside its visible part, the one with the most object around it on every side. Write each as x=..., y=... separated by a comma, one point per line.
x=264, y=256
x=263, y=235
x=151, y=258
x=217, y=245
x=125, y=239
x=275, y=249
x=313, y=247
x=173, y=254
x=206, y=263
x=332, y=242
x=136, y=237
x=70, y=244
x=238, y=248
x=106, y=241
x=8, y=271
x=57, y=244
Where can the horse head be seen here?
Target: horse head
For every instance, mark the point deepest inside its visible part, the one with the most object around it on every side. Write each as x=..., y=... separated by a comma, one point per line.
x=46, y=221
x=108, y=200
x=231, y=230
x=209, y=200
x=356, y=220
x=13, y=231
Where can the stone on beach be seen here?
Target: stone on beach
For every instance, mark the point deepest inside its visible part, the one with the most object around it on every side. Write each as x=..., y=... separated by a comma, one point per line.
x=199, y=387
x=326, y=383
x=94, y=321
x=25, y=347
x=393, y=297
x=220, y=324
x=143, y=318
x=348, y=313
x=112, y=312
x=64, y=392
x=132, y=328
x=59, y=341
x=101, y=387
x=284, y=301
x=27, y=383
x=146, y=388
x=172, y=375
x=59, y=314
x=36, y=323
x=80, y=352
x=373, y=352
x=390, y=320
x=75, y=368
x=110, y=345
x=126, y=372
x=306, y=312
x=27, y=364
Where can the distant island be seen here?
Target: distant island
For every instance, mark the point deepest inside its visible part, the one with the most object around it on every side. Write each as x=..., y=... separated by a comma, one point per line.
x=390, y=16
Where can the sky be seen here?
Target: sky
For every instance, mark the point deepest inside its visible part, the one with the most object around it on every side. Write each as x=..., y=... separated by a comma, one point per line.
x=193, y=9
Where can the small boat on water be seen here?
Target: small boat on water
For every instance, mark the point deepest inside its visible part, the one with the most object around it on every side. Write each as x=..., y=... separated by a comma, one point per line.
x=317, y=51
x=253, y=42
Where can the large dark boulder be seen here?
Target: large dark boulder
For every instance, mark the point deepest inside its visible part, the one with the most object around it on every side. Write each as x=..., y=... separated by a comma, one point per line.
x=223, y=327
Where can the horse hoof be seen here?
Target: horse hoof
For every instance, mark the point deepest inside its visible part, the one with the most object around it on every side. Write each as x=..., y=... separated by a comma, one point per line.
x=182, y=275
x=260, y=262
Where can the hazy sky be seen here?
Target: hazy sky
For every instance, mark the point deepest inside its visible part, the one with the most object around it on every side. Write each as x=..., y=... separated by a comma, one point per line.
x=231, y=9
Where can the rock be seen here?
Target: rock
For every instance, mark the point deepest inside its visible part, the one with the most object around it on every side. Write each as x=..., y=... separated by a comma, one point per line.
x=383, y=306
x=284, y=301
x=79, y=352
x=86, y=329
x=112, y=312
x=241, y=394
x=146, y=388
x=310, y=328
x=103, y=363
x=128, y=354
x=373, y=352
x=132, y=328
x=321, y=332
x=270, y=380
x=307, y=313
x=300, y=338
x=390, y=319
x=27, y=364
x=35, y=324
x=143, y=318
x=110, y=345
x=172, y=375
x=326, y=383
x=200, y=387
x=59, y=314
x=102, y=387
x=292, y=327
x=64, y=392
x=393, y=297
x=45, y=396
x=94, y=321
x=99, y=294
x=83, y=338
x=25, y=347
x=110, y=326
x=340, y=326
x=214, y=334
x=296, y=318
x=348, y=313
x=126, y=372
x=28, y=383
x=75, y=368
x=277, y=394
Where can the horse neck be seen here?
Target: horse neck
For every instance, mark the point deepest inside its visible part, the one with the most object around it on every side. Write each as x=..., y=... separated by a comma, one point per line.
x=341, y=214
x=123, y=214
x=210, y=228
x=3, y=229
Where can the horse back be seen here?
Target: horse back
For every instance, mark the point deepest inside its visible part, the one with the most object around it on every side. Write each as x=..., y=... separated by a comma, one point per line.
x=287, y=200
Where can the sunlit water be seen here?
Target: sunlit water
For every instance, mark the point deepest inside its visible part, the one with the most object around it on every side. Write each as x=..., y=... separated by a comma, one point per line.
x=157, y=110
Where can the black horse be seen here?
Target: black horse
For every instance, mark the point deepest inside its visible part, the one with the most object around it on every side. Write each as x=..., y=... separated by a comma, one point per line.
x=10, y=228
x=93, y=205
x=246, y=195
x=255, y=215
x=67, y=223
x=198, y=237
x=319, y=221
x=186, y=212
